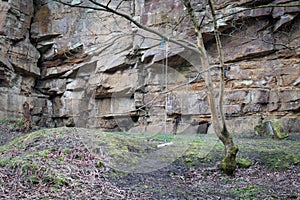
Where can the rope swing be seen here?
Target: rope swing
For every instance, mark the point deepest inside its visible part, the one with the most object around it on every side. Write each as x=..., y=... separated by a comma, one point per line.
x=164, y=84
x=166, y=89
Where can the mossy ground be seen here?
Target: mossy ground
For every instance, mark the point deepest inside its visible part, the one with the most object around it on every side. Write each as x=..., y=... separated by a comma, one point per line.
x=272, y=153
x=86, y=162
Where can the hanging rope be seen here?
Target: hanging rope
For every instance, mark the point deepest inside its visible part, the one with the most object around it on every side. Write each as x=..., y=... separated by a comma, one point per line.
x=164, y=86
x=164, y=82
x=166, y=89
x=162, y=46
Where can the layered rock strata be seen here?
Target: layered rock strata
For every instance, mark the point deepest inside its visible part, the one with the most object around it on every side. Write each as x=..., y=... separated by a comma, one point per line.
x=80, y=67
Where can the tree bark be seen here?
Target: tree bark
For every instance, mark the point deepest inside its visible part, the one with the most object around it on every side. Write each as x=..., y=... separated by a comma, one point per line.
x=228, y=164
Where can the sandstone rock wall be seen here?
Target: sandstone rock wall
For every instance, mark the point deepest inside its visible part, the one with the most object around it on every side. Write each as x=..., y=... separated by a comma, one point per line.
x=79, y=67
x=19, y=63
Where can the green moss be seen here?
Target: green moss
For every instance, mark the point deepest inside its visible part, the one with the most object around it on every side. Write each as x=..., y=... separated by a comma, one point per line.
x=258, y=129
x=22, y=141
x=248, y=192
x=4, y=120
x=29, y=168
x=43, y=154
x=293, y=196
x=67, y=151
x=296, y=159
x=278, y=129
x=243, y=163
x=60, y=180
x=52, y=149
x=34, y=180
x=228, y=164
x=278, y=159
x=270, y=128
x=189, y=161
x=57, y=180
x=78, y=155
x=99, y=164
x=48, y=179
x=4, y=162
x=14, y=121
x=61, y=158
x=13, y=124
x=19, y=122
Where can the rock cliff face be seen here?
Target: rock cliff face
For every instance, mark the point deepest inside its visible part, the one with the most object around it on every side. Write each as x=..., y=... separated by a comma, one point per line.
x=80, y=67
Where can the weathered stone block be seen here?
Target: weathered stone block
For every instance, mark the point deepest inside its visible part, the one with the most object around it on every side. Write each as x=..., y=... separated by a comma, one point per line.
x=236, y=96
x=27, y=85
x=52, y=86
x=240, y=125
x=116, y=106
x=290, y=106
x=259, y=96
x=289, y=95
x=118, y=84
x=290, y=124
x=232, y=109
x=15, y=18
x=24, y=58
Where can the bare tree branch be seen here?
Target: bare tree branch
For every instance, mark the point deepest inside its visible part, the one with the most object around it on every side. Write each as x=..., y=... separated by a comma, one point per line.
x=179, y=22
x=118, y=6
x=129, y=18
x=108, y=3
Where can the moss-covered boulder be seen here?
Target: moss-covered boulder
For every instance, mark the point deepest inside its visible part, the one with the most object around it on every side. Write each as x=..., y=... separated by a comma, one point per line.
x=270, y=128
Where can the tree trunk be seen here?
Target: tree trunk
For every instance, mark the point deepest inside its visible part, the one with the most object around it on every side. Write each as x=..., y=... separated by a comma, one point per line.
x=228, y=164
